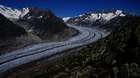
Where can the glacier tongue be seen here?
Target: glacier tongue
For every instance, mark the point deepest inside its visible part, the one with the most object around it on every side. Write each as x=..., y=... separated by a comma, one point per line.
x=13, y=13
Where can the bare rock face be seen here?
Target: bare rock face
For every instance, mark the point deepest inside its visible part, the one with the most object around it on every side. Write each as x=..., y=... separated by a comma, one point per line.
x=10, y=34
x=8, y=29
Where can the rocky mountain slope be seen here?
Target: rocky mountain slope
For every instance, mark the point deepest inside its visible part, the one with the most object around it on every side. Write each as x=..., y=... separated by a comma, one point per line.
x=116, y=56
x=43, y=23
x=8, y=29
x=30, y=25
x=12, y=36
x=40, y=22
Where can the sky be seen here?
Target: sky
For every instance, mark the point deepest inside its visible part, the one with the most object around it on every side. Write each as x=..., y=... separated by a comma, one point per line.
x=64, y=8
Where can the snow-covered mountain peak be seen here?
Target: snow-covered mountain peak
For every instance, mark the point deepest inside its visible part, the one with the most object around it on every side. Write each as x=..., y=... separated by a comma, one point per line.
x=119, y=12
x=24, y=11
x=92, y=16
x=105, y=16
x=13, y=13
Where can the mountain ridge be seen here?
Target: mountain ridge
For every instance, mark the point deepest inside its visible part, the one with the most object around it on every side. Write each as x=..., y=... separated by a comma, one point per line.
x=94, y=18
x=40, y=25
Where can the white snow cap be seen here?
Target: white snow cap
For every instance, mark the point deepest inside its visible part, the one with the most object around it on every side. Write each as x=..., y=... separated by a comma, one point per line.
x=120, y=13
x=66, y=19
x=105, y=16
x=13, y=13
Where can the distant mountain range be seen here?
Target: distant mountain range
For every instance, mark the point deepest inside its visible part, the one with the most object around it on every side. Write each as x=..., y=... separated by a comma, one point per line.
x=43, y=22
x=94, y=19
